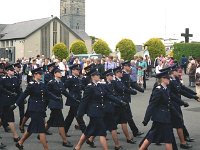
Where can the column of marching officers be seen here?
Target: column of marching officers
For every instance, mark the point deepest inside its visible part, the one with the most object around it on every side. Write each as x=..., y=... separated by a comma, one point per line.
x=106, y=101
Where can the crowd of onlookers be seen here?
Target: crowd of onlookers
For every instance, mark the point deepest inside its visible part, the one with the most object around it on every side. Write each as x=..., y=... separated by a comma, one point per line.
x=141, y=67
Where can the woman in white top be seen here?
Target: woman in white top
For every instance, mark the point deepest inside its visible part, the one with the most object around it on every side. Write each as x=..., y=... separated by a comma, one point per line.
x=159, y=67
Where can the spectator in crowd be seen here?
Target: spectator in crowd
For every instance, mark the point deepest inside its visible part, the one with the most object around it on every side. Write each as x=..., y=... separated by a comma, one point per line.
x=143, y=64
x=110, y=64
x=39, y=61
x=100, y=67
x=87, y=63
x=140, y=75
x=133, y=72
x=184, y=62
x=159, y=67
x=197, y=83
x=192, y=71
x=156, y=62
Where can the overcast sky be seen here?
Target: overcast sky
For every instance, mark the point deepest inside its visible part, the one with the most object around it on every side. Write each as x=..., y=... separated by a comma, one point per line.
x=113, y=20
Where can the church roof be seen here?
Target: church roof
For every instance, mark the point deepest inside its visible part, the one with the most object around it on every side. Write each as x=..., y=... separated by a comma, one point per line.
x=82, y=34
x=23, y=29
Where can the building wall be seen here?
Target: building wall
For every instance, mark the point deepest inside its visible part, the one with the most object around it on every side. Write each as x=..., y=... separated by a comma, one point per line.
x=33, y=45
x=19, y=48
x=88, y=44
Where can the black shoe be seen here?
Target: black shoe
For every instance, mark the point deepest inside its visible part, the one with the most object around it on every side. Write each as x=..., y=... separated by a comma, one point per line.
x=48, y=133
x=20, y=147
x=77, y=127
x=2, y=146
x=119, y=148
x=189, y=139
x=138, y=133
x=16, y=139
x=131, y=141
x=68, y=144
x=91, y=144
x=185, y=146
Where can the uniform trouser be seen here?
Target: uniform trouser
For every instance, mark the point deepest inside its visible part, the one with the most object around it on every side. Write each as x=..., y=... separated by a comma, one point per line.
x=70, y=117
x=131, y=122
x=21, y=112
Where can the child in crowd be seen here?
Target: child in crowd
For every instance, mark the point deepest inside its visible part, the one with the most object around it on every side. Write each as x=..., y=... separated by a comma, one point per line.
x=140, y=74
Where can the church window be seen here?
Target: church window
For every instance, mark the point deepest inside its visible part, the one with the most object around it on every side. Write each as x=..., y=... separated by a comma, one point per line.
x=65, y=10
x=11, y=43
x=7, y=43
x=54, y=32
x=77, y=11
x=77, y=26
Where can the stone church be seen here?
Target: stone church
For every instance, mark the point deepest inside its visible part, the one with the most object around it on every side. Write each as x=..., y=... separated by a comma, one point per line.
x=29, y=38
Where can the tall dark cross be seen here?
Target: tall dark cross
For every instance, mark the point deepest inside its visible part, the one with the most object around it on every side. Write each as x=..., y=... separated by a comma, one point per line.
x=187, y=35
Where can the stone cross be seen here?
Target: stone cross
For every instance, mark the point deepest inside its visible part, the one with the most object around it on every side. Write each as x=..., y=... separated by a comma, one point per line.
x=187, y=35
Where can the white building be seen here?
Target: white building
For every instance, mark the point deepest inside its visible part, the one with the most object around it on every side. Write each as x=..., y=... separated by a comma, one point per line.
x=30, y=38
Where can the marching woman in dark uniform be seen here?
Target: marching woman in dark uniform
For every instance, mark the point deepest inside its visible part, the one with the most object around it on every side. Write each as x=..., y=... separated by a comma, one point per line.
x=109, y=116
x=36, y=108
x=75, y=86
x=18, y=74
x=9, y=87
x=56, y=87
x=92, y=104
x=175, y=87
x=120, y=112
x=128, y=83
x=160, y=111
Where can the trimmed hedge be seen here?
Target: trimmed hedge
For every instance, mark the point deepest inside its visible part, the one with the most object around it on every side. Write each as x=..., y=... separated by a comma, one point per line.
x=187, y=49
x=78, y=47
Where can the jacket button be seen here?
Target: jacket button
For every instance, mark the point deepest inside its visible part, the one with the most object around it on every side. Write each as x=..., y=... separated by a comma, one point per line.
x=8, y=96
x=97, y=106
x=36, y=101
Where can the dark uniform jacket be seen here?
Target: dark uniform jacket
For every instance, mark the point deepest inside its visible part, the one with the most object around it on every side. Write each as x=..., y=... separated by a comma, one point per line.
x=127, y=82
x=9, y=87
x=109, y=102
x=47, y=77
x=93, y=101
x=57, y=89
x=159, y=108
x=38, y=93
x=75, y=87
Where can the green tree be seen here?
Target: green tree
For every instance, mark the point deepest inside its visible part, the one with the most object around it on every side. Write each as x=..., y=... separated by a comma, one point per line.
x=127, y=48
x=78, y=47
x=60, y=51
x=155, y=47
x=101, y=47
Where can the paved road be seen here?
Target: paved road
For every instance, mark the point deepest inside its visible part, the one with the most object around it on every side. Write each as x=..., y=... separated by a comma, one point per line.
x=138, y=105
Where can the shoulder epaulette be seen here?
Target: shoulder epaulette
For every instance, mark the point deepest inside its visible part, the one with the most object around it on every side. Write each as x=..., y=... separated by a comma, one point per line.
x=90, y=84
x=158, y=87
x=50, y=80
x=31, y=82
x=4, y=77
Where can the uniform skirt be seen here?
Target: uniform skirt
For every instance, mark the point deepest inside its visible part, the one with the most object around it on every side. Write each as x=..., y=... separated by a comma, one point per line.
x=110, y=122
x=177, y=122
x=56, y=118
x=37, y=124
x=96, y=127
x=120, y=116
x=7, y=114
x=160, y=133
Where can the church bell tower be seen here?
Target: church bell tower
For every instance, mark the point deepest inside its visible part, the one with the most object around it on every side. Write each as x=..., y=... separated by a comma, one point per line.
x=72, y=13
